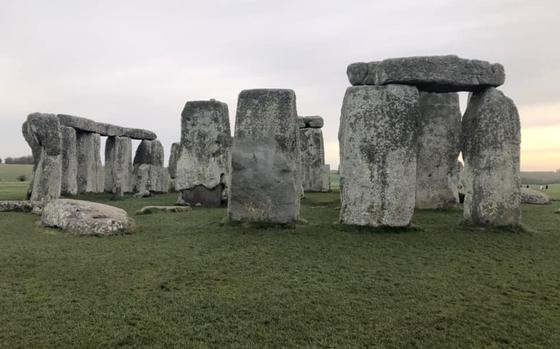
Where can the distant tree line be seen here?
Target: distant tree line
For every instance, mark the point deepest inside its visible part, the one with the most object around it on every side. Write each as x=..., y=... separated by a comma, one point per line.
x=22, y=160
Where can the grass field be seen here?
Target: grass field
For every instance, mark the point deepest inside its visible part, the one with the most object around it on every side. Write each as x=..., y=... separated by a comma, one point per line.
x=185, y=280
x=10, y=173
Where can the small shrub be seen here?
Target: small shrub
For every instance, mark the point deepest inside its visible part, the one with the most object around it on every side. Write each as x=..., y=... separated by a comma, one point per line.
x=22, y=178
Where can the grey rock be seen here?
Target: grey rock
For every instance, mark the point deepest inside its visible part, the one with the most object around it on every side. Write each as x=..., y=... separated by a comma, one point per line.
x=88, y=125
x=200, y=194
x=118, y=165
x=150, y=153
x=491, y=141
x=21, y=206
x=35, y=150
x=149, y=173
x=439, y=144
x=204, y=151
x=326, y=179
x=430, y=73
x=69, y=181
x=90, y=168
x=45, y=128
x=142, y=194
x=164, y=209
x=310, y=122
x=173, y=158
x=312, y=155
x=378, y=139
x=535, y=197
x=86, y=218
x=265, y=184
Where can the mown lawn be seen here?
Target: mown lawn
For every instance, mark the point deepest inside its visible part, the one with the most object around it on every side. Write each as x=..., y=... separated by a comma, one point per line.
x=185, y=280
x=10, y=173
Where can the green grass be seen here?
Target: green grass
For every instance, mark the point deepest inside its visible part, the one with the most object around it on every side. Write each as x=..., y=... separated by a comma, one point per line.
x=553, y=190
x=10, y=173
x=185, y=280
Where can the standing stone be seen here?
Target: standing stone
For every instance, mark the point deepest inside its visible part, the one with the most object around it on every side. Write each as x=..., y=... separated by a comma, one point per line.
x=326, y=179
x=312, y=158
x=44, y=130
x=118, y=165
x=491, y=142
x=202, y=165
x=439, y=142
x=90, y=169
x=173, y=158
x=265, y=184
x=69, y=185
x=35, y=151
x=378, y=140
x=149, y=173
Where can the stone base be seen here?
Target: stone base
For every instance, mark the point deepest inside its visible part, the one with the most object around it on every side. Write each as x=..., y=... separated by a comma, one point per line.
x=203, y=196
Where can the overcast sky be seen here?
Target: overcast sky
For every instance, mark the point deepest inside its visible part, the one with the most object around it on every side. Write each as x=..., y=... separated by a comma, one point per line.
x=136, y=63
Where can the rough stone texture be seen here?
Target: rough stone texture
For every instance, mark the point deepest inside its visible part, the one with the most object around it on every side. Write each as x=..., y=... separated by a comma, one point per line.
x=310, y=122
x=43, y=130
x=35, y=150
x=312, y=157
x=202, y=195
x=439, y=144
x=203, y=161
x=90, y=168
x=173, y=157
x=491, y=141
x=378, y=140
x=326, y=178
x=87, y=125
x=69, y=182
x=21, y=206
x=150, y=153
x=86, y=218
x=118, y=165
x=531, y=196
x=431, y=73
x=164, y=209
x=149, y=173
x=265, y=184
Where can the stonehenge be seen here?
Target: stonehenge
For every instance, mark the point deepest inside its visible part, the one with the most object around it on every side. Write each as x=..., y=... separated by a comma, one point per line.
x=149, y=173
x=488, y=137
x=265, y=183
x=67, y=159
x=201, y=161
x=312, y=153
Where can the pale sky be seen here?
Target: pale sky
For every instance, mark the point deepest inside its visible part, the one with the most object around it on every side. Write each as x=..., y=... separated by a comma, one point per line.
x=136, y=63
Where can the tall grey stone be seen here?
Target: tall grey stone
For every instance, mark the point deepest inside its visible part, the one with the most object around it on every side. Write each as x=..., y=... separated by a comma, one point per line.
x=326, y=179
x=43, y=130
x=378, y=139
x=439, y=144
x=173, y=158
x=69, y=184
x=35, y=151
x=90, y=168
x=429, y=73
x=265, y=183
x=149, y=173
x=312, y=158
x=491, y=146
x=118, y=165
x=203, y=162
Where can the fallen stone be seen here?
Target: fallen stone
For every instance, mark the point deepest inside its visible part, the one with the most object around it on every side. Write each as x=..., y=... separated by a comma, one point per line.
x=312, y=155
x=439, y=144
x=165, y=209
x=203, y=162
x=491, y=141
x=535, y=197
x=118, y=165
x=86, y=218
x=430, y=73
x=90, y=168
x=142, y=194
x=378, y=141
x=310, y=122
x=69, y=184
x=35, y=207
x=202, y=195
x=265, y=184
x=87, y=125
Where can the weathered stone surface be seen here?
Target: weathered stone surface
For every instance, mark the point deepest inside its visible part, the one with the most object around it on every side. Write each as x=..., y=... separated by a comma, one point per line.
x=310, y=122
x=35, y=150
x=86, y=218
x=430, y=73
x=154, y=179
x=87, y=125
x=326, y=179
x=45, y=128
x=90, y=168
x=491, y=141
x=203, y=196
x=164, y=209
x=378, y=140
x=118, y=165
x=439, y=144
x=69, y=181
x=35, y=207
x=535, y=197
x=265, y=184
x=173, y=158
x=312, y=155
x=149, y=153
x=204, y=151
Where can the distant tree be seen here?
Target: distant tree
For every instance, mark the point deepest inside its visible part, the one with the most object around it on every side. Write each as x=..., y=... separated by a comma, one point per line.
x=23, y=160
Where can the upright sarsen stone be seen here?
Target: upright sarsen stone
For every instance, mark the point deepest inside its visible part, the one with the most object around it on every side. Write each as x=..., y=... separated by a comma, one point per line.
x=439, y=142
x=265, y=185
x=491, y=146
x=90, y=168
x=69, y=183
x=378, y=139
x=312, y=158
x=149, y=173
x=203, y=157
x=118, y=165
x=173, y=158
